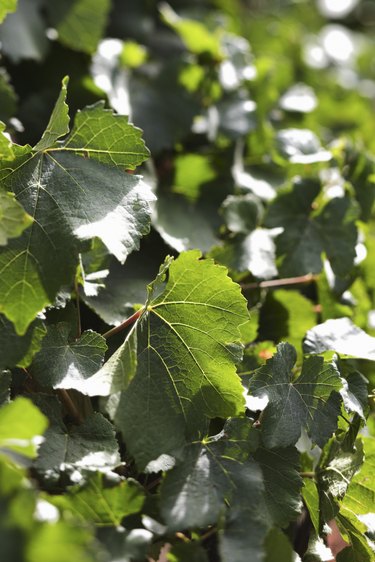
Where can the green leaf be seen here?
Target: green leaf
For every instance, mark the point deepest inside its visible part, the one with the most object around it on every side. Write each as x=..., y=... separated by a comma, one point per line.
x=103, y=503
x=58, y=125
x=187, y=344
x=308, y=399
x=360, y=549
x=197, y=38
x=282, y=483
x=100, y=134
x=70, y=199
x=19, y=350
x=241, y=213
x=22, y=34
x=342, y=336
x=67, y=364
x=310, y=496
x=218, y=478
x=254, y=253
x=6, y=149
x=13, y=219
x=192, y=172
x=8, y=97
x=337, y=467
x=21, y=427
x=61, y=542
x=360, y=495
x=305, y=237
x=80, y=23
x=7, y=7
x=90, y=446
x=278, y=547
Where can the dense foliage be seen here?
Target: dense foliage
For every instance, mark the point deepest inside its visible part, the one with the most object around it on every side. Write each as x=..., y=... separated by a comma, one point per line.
x=187, y=288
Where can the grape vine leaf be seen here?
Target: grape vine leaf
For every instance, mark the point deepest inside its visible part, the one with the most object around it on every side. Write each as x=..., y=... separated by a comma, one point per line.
x=65, y=363
x=58, y=124
x=181, y=355
x=301, y=146
x=90, y=446
x=102, y=502
x=6, y=150
x=70, y=199
x=13, y=219
x=340, y=335
x=282, y=483
x=80, y=24
x=218, y=478
x=21, y=427
x=305, y=237
x=307, y=401
x=19, y=350
x=360, y=495
x=241, y=212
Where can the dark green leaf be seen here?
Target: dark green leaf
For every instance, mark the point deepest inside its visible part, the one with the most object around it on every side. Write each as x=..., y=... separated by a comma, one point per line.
x=66, y=363
x=90, y=446
x=307, y=400
x=19, y=350
x=241, y=213
x=278, y=547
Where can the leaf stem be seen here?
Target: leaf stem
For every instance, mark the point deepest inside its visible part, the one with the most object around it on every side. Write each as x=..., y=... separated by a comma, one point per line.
x=79, y=325
x=124, y=324
x=280, y=282
x=208, y=533
x=69, y=405
x=307, y=474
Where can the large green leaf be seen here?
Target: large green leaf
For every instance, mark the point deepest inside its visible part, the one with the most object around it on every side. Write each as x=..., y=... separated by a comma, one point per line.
x=70, y=199
x=186, y=344
x=307, y=400
x=79, y=23
x=89, y=446
x=102, y=502
x=64, y=362
x=21, y=427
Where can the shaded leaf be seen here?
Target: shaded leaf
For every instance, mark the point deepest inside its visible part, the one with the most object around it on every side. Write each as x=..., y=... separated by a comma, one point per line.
x=79, y=23
x=301, y=146
x=66, y=363
x=306, y=400
x=241, y=213
x=19, y=350
x=278, y=547
x=58, y=125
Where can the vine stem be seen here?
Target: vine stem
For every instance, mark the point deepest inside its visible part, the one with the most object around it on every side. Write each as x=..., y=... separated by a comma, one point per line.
x=307, y=474
x=208, y=533
x=69, y=405
x=280, y=282
x=128, y=322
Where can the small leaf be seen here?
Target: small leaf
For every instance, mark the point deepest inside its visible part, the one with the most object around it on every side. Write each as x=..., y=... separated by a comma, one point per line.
x=241, y=213
x=6, y=7
x=13, y=219
x=301, y=146
x=307, y=400
x=67, y=364
x=58, y=125
x=90, y=446
x=21, y=427
x=102, y=502
x=80, y=24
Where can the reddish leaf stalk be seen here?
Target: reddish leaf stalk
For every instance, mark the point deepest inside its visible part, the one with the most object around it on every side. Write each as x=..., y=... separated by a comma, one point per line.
x=128, y=322
x=280, y=282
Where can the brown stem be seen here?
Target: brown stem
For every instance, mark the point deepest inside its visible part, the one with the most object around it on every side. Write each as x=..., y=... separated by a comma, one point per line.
x=124, y=324
x=280, y=282
x=208, y=533
x=69, y=405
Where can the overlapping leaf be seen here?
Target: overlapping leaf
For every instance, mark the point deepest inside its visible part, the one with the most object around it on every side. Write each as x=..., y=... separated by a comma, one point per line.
x=309, y=401
x=70, y=199
x=181, y=356
x=65, y=363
